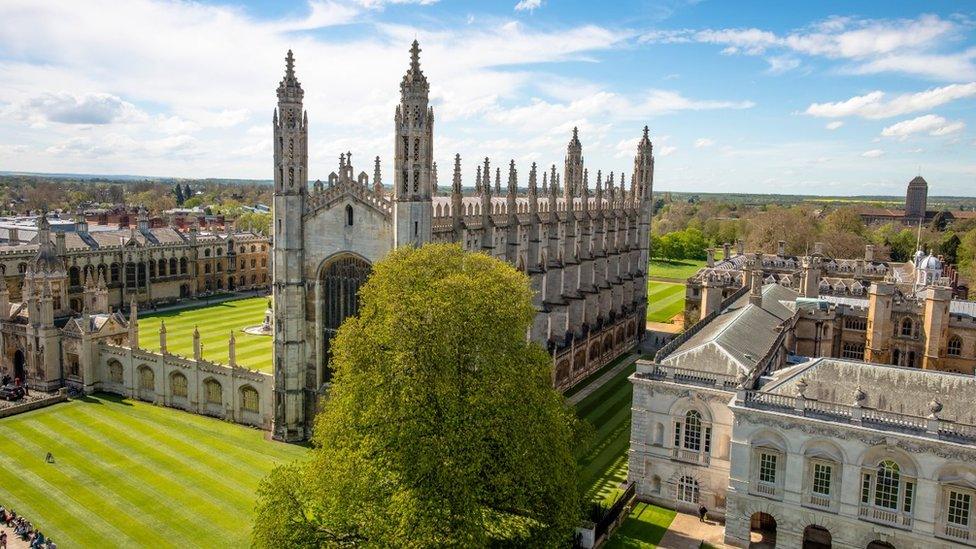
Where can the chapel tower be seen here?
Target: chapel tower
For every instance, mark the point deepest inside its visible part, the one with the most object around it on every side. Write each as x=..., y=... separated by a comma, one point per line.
x=413, y=162
x=290, y=189
x=916, y=198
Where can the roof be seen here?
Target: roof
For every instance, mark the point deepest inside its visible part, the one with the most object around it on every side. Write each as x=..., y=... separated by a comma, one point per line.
x=739, y=337
x=896, y=389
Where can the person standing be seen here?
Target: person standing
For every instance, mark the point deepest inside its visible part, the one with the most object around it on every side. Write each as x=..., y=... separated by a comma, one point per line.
x=702, y=512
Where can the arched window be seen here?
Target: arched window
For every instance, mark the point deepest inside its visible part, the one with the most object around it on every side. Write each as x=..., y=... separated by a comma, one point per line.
x=886, y=485
x=147, y=379
x=252, y=248
x=906, y=327
x=114, y=272
x=172, y=266
x=214, y=392
x=115, y=371
x=220, y=251
x=955, y=346
x=249, y=399
x=206, y=253
x=182, y=265
x=179, y=385
x=74, y=276
x=349, y=216
x=206, y=269
x=688, y=490
x=161, y=269
x=895, y=357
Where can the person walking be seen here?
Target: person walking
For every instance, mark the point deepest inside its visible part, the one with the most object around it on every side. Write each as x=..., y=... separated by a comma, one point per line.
x=702, y=512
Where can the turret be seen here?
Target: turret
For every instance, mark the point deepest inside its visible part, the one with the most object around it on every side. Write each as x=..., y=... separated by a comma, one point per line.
x=162, y=337
x=457, y=203
x=573, y=172
x=377, y=178
x=413, y=163
x=133, y=325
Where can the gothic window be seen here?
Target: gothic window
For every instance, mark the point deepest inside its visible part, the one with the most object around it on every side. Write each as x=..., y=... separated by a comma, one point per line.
x=213, y=391
x=855, y=323
x=206, y=269
x=115, y=371
x=114, y=272
x=416, y=181
x=906, y=327
x=220, y=251
x=206, y=253
x=147, y=379
x=179, y=385
x=182, y=265
x=955, y=346
x=249, y=399
x=152, y=269
x=340, y=282
x=252, y=248
x=291, y=177
x=220, y=266
x=253, y=263
x=853, y=350
x=416, y=149
x=688, y=491
x=74, y=276
x=162, y=267
x=896, y=357
x=349, y=215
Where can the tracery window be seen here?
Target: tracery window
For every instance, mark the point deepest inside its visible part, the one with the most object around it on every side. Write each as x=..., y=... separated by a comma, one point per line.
x=179, y=385
x=249, y=399
x=115, y=371
x=906, y=327
x=147, y=379
x=213, y=392
x=955, y=346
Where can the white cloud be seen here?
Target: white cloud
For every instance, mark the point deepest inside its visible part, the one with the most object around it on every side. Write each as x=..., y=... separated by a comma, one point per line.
x=528, y=5
x=779, y=64
x=703, y=142
x=873, y=153
x=870, y=46
x=68, y=108
x=929, y=123
x=834, y=125
x=873, y=106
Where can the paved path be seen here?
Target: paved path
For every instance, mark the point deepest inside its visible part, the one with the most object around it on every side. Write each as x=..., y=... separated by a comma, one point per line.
x=600, y=381
x=195, y=303
x=13, y=541
x=687, y=532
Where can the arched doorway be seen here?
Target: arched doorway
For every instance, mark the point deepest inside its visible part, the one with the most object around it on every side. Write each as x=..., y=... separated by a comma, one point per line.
x=816, y=537
x=20, y=372
x=880, y=545
x=762, y=531
x=340, y=280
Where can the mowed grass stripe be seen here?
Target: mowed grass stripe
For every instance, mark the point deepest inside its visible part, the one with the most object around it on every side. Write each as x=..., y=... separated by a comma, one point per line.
x=608, y=409
x=39, y=440
x=215, y=323
x=134, y=474
x=664, y=300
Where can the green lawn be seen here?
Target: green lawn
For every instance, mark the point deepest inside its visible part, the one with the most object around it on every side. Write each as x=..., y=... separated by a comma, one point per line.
x=678, y=270
x=215, y=323
x=643, y=529
x=604, y=466
x=664, y=300
x=129, y=474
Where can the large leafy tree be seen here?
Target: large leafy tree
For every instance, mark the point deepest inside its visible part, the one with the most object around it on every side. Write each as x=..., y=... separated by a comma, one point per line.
x=441, y=427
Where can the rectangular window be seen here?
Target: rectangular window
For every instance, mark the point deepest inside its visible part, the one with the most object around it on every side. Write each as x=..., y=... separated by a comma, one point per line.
x=767, y=468
x=677, y=434
x=708, y=439
x=865, y=488
x=909, y=494
x=959, y=505
x=821, y=479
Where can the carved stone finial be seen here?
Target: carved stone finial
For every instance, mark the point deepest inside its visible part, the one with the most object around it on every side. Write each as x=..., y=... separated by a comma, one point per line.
x=801, y=387
x=859, y=396
x=934, y=408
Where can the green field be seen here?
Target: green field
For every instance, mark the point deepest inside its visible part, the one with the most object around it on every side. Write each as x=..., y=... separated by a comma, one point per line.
x=604, y=466
x=678, y=270
x=128, y=474
x=664, y=300
x=215, y=323
x=643, y=529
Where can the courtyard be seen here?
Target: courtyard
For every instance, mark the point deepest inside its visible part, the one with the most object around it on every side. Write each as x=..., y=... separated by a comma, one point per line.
x=215, y=323
x=127, y=473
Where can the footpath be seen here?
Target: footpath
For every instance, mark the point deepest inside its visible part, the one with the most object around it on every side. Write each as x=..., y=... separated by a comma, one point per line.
x=600, y=381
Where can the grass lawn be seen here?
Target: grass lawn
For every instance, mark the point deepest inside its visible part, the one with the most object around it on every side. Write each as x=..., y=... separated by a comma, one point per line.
x=643, y=529
x=664, y=300
x=604, y=466
x=678, y=270
x=215, y=323
x=128, y=474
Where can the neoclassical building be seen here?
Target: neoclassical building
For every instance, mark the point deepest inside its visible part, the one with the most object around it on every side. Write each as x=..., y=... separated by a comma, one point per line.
x=48, y=346
x=585, y=250
x=750, y=413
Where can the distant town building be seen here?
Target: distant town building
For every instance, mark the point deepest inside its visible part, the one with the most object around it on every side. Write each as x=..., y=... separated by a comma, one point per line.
x=916, y=208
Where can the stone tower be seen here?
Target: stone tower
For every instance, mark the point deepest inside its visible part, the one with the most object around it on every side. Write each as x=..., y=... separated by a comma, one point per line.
x=413, y=163
x=573, y=171
x=290, y=189
x=916, y=199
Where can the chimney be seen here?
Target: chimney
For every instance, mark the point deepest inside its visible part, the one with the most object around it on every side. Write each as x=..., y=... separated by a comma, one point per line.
x=781, y=248
x=755, y=290
x=710, y=257
x=14, y=237
x=740, y=247
x=59, y=242
x=726, y=250
x=818, y=248
x=868, y=252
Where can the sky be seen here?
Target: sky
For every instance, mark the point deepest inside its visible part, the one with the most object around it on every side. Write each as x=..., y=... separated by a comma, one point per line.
x=837, y=98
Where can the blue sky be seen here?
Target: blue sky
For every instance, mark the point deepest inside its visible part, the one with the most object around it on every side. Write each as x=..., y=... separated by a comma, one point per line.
x=814, y=98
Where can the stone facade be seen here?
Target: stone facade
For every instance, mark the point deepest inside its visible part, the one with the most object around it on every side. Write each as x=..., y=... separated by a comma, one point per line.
x=739, y=414
x=585, y=251
x=48, y=347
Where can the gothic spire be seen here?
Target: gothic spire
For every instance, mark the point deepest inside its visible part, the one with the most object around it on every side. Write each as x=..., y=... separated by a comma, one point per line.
x=477, y=181
x=433, y=177
x=290, y=88
x=377, y=177
x=414, y=80
x=512, y=178
x=456, y=183
x=533, y=184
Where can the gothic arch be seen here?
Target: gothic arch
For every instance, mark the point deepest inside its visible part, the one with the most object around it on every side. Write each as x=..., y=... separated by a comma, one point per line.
x=339, y=278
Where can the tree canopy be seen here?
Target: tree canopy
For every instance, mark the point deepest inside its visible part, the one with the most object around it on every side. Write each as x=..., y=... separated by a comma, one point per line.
x=441, y=427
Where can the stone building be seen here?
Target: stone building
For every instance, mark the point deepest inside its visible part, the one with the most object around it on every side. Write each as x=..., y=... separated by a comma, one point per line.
x=44, y=343
x=750, y=413
x=916, y=208
x=584, y=250
x=142, y=263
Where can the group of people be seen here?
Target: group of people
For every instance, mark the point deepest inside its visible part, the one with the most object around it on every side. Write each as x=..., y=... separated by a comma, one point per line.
x=24, y=530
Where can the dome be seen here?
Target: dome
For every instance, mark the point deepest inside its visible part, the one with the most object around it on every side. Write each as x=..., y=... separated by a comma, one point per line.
x=919, y=254
x=930, y=263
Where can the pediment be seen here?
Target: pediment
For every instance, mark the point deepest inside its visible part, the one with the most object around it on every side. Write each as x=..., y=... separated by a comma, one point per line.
x=345, y=191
